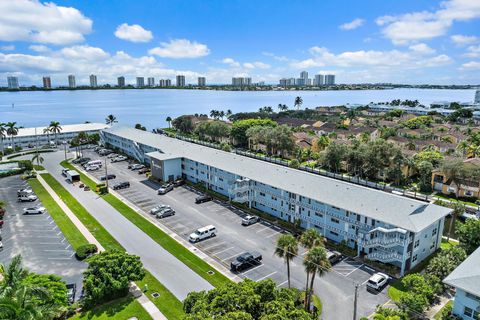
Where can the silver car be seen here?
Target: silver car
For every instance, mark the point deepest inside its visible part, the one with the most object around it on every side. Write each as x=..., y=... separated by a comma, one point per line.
x=158, y=208
x=167, y=212
x=34, y=210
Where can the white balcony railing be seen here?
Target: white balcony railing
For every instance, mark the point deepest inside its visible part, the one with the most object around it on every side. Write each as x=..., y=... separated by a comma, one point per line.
x=385, y=256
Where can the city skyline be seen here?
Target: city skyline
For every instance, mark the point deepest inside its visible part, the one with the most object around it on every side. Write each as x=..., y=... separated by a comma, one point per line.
x=357, y=46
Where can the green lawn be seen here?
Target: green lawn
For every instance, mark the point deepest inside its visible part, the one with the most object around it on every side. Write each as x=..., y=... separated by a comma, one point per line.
x=438, y=315
x=445, y=245
x=169, y=303
x=168, y=243
x=120, y=309
x=395, y=290
x=97, y=230
x=452, y=198
x=69, y=230
x=38, y=167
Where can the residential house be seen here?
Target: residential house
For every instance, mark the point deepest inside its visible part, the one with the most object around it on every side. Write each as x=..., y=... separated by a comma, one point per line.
x=465, y=187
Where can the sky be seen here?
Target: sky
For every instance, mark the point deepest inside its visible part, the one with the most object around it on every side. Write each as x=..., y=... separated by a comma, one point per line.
x=368, y=41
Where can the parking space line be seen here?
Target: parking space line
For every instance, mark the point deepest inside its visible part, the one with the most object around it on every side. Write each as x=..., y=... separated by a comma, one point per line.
x=281, y=284
x=268, y=275
x=231, y=257
x=262, y=229
x=221, y=251
x=273, y=234
x=257, y=267
x=213, y=246
x=353, y=271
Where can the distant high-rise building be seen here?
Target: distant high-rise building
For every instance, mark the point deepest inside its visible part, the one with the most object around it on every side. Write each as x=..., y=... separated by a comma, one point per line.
x=12, y=82
x=300, y=82
x=47, y=82
x=305, y=81
x=151, y=81
x=247, y=81
x=261, y=83
x=202, y=81
x=121, y=82
x=71, y=81
x=319, y=80
x=168, y=82
x=284, y=82
x=477, y=97
x=180, y=81
x=162, y=83
x=93, y=81
x=304, y=75
x=329, y=79
x=140, y=82
x=237, y=81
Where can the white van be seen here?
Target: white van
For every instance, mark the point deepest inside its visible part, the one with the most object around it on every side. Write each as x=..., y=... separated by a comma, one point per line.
x=202, y=233
x=93, y=163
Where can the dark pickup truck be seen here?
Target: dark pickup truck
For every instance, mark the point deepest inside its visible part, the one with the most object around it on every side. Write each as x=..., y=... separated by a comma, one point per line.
x=245, y=261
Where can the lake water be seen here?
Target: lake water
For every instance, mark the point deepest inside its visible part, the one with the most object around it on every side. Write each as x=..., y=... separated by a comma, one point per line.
x=150, y=107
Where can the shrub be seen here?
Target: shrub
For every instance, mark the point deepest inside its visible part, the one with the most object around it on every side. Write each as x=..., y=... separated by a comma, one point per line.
x=85, y=251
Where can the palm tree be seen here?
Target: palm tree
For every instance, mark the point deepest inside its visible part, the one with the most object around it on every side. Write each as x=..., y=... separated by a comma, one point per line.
x=47, y=132
x=38, y=157
x=463, y=146
x=287, y=248
x=111, y=119
x=228, y=114
x=315, y=262
x=169, y=120
x=298, y=102
x=309, y=239
x=282, y=107
x=458, y=210
x=3, y=132
x=12, y=130
x=55, y=128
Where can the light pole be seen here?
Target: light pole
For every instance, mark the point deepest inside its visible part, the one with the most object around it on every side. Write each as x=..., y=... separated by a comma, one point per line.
x=65, y=148
x=106, y=174
x=355, y=302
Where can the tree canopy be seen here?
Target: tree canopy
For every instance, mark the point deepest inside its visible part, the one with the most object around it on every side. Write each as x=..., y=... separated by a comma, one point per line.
x=469, y=235
x=240, y=128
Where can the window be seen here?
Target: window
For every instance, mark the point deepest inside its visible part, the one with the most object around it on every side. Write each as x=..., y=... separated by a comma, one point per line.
x=417, y=243
x=274, y=198
x=434, y=231
x=334, y=220
x=468, y=312
x=432, y=246
x=373, y=222
x=334, y=233
x=468, y=193
x=336, y=208
x=262, y=194
x=471, y=296
x=221, y=179
x=414, y=258
x=318, y=214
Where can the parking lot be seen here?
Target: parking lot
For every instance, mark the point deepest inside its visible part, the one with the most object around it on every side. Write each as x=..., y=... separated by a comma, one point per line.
x=36, y=237
x=335, y=288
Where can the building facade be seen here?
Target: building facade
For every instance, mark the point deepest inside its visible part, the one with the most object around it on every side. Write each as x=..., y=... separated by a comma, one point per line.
x=151, y=81
x=329, y=79
x=121, y=82
x=466, y=281
x=180, y=81
x=12, y=83
x=319, y=80
x=202, y=81
x=31, y=137
x=380, y=226
x=477, y=97
x=93, y=81
x=140, y=82
x=71, y=81
x=47, y=82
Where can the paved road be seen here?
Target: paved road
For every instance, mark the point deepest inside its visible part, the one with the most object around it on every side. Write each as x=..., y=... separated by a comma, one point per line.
x=336, y=288
x=37, y=238
x=172, y=273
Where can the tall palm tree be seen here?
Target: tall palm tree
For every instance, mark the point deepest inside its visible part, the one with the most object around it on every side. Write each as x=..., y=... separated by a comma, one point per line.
x=463, y=146
x=309, y=239
x=458, y=210
x=47, y=132
x=111, y=119
x=228, y=114
x=3, y=134
x=12, y=130
x=287, y=248
x=38, y=157
x=56, y=129
x=298, y=102
x=315, y=262
x=169, y=120
x=13, y=275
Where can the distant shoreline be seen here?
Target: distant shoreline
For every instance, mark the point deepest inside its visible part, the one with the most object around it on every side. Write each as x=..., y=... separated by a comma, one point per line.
x=253, y=88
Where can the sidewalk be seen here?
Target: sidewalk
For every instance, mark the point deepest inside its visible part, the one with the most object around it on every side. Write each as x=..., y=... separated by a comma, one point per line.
x=148, y=305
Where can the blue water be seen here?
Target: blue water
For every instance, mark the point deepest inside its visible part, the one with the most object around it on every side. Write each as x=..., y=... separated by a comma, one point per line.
x=150, y=107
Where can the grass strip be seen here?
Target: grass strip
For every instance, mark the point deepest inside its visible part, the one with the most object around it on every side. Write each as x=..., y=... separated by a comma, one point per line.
x=97, y=230
x=168, y=243
x=168, y=304
x=68, y=228
x=121, y=309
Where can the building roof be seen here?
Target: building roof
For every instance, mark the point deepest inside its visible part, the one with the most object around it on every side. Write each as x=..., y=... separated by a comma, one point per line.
x=66, y=128
x=467, y=275
x=393, y=209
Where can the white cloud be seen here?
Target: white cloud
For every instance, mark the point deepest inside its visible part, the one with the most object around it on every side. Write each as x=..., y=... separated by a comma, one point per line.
x=180, y=48
x=473, y=52
x=33, y=21
x=418, y=26
x=256, y=64
x=39, y=48
x=231, y=62
x=274, y=56
x=133, y=33
x=422, y=48
x=9, y=47
x=83, y=53
x=354, y=24
x=472, y=65
x=462, y=40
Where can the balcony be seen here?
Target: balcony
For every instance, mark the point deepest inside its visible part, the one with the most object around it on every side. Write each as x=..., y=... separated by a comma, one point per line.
x=384, y=242
x=385, y=256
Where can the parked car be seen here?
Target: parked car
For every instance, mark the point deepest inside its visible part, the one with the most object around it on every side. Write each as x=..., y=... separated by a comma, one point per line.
x=249, y=220
x=71, y=289
x=94, y=167
x=81, y=160
x=136, y=166
x=143, y=170
x=165, y=188
x=203, y=198
x=34, y=210
x=166, y=212
x=105, y=152
x=333, y=256
x=108, y=177
x=112, y=155
x=121, y=185
x=24, y=192
x=119, y=158
x=30, y=197
x=246, y=260
x=158, y=208
x=203, y=233
x=178, y=183
x=377, y=282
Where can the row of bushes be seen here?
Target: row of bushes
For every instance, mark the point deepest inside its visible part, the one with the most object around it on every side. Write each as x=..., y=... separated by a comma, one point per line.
x=86, y=251
x=23, y=165
x=29, y=152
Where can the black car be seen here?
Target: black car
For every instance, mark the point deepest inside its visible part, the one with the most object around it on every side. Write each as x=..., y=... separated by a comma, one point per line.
x=245, y=261
x=108, y=177
x=121, y=185
x=81, y=160
x=203, y=198
x=178, y=183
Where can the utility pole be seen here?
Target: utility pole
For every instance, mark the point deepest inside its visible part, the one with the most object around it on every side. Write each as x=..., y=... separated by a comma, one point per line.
x=65, y=149
x=106, y=174
x=355, y=302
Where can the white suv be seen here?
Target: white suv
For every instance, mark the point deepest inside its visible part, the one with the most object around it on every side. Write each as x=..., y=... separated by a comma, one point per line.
x=34, y=210
x=202, y=233
x=377, y=282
